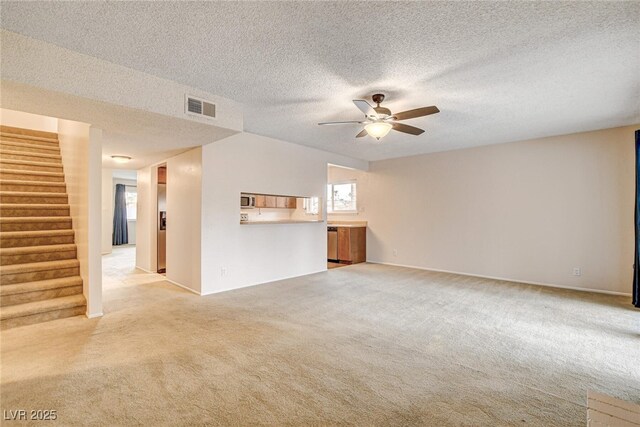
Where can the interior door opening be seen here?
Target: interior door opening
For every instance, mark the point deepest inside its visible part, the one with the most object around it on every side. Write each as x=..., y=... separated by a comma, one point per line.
x=162, y=219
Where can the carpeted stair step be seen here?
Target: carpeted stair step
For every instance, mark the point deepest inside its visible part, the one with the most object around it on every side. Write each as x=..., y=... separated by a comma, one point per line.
x=25, y=140
x=42, y=311
x=26, y=210
x=17, y=239
x=24, y=165
x=34, y=271
x=13, y=174
x=30, y=197
x=34, y=135
x=26, y=147
x=32, y=186
x=34, y=157
x=35, y=223
x=27, y=254
x=21, y=293
x=43, y=136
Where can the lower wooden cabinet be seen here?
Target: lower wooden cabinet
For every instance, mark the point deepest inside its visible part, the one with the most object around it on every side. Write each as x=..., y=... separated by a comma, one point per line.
x=352, y=244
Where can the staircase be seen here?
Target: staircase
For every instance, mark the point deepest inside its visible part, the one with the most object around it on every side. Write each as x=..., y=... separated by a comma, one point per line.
x=39, y=270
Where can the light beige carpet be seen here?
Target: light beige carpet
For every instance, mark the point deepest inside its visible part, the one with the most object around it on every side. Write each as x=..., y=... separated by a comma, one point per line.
x=365, y=345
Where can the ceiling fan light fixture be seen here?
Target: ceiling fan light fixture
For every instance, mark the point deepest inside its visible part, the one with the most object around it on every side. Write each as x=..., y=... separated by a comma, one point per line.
x=378, y=129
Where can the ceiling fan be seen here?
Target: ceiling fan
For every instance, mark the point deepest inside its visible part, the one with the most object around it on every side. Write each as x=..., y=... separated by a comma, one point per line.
x=379, y=120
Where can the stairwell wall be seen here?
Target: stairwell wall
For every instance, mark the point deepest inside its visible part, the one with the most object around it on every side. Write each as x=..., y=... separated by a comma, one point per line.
x=18, y=119
x=81, y=151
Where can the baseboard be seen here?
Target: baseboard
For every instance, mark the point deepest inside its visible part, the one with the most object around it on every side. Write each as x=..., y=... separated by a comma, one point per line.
x=170, y=281
x=94, y=315
x=504, y=279
x=183, y=287
x=263, y=283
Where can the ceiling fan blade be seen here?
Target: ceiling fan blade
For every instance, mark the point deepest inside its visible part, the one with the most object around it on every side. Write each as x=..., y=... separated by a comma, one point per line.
x=400, y=127
x=362, y=133
x=351, y=122
x=418, y=112
x=365, y=107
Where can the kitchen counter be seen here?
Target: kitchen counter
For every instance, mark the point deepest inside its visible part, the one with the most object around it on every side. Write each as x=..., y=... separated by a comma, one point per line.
x=347, y=224
x=281, y=221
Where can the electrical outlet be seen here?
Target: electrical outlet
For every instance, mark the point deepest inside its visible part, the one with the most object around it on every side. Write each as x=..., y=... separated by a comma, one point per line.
x=395, y=252
x=223, y=271
x=577, y=271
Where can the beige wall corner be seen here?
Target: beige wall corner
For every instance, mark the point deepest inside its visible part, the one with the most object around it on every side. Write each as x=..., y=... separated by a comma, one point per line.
x=145, y=229
x=107, y=211
x=80, y=148
x=184, y=197
x=184, y=201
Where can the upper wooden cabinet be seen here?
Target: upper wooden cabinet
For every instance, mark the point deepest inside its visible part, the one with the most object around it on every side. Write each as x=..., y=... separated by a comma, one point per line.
x=261, y=201
x=268, y=201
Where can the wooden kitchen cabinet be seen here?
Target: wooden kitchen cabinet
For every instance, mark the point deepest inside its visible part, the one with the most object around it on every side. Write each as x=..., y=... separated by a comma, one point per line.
x=286, y=202
x=270, y=201
x=267, y=201
x=261, y=201
x=352, y=244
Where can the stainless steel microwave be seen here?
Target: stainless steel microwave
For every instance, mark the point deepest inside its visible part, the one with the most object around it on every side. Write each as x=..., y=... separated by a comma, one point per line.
x=247, y=201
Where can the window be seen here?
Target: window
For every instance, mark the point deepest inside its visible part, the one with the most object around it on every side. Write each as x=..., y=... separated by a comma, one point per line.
x=311, y=205
x=341, y=197
x=131, y=198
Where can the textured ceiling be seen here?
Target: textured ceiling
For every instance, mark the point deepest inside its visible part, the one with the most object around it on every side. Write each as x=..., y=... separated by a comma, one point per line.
x=498, y=71
x=146, y=137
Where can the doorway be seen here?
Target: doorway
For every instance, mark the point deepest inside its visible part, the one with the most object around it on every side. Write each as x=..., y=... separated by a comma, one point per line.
x=162, y=219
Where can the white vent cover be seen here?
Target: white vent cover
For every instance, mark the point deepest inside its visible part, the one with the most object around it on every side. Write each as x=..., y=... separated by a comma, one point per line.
x=199, y=107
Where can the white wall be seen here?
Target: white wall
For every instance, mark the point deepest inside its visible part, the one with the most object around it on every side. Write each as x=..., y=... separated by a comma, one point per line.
x=184, y=195
x=340, y=174
x=19, y=119
x=107, y=210
x=146, y=235
x=80, y=148
x=235, y=255
x=528, y=211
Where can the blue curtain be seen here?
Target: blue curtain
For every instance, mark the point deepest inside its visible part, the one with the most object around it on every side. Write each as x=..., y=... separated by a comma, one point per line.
x=636, y=263
x=120, y=231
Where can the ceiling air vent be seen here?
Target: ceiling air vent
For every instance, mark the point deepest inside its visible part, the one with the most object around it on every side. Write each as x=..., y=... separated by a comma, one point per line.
x=200, y=107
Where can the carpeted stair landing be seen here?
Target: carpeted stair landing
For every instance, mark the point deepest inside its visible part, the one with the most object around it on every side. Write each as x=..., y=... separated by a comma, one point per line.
x=39, y=270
